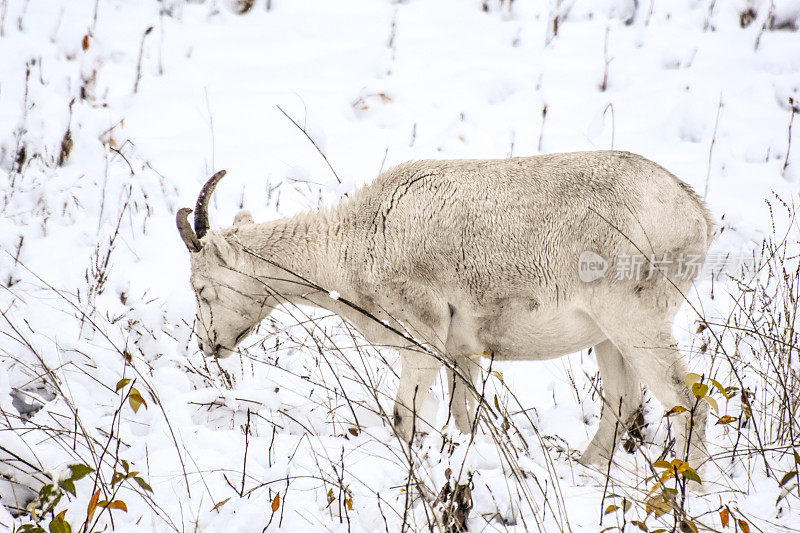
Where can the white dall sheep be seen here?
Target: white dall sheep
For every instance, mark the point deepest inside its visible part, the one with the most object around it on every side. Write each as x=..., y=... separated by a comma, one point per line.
x=477, y=256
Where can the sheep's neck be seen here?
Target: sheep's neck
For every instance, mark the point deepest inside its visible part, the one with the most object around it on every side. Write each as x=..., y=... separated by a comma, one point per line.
x=303, y=245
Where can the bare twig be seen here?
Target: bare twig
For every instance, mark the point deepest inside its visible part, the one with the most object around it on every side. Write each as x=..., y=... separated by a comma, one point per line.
x=606, y=61
x=335, y=175
x=139, y=61
x=711, y=147
x=789, y=135
x=541, y=129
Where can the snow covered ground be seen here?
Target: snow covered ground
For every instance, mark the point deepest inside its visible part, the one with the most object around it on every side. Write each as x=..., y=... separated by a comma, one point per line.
x=113, y=114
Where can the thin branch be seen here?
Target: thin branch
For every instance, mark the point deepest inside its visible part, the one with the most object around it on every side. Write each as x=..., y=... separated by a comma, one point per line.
x=335, y=175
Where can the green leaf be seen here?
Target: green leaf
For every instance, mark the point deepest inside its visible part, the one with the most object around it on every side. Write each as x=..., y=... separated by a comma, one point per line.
x=116, y=477
x=59, y=525
x=688, y=526
x=785, y=479
x=79, y=471
x=692, y=378
x=126, y=466
x=688, y=473
x=68, y=485
x=30, y=528
x=796, y=458
x=142, y=483
x=121, y=383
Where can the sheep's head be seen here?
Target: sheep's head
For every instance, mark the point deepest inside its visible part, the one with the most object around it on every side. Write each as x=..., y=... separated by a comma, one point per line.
x=231, y=300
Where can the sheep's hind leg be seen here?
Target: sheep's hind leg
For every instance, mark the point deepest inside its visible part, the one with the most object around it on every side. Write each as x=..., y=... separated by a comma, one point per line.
x=462, y=398
x=621, y=401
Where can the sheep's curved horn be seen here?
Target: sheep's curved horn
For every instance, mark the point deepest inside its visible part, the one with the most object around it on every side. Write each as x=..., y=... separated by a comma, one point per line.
x=187, y=233
x=201, y=224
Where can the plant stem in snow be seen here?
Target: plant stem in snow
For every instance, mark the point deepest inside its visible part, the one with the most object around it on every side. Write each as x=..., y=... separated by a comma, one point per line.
x=3, y=11
x=613, y=122
x=211, y=127
x=604, y=85
x=541, y=130
x=789, y=145
x=335, y=175
x=139, y=62
x=711, y=148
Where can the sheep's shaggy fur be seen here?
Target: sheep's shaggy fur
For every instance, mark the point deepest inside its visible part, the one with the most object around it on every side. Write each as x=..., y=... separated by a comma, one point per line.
x=482, y=256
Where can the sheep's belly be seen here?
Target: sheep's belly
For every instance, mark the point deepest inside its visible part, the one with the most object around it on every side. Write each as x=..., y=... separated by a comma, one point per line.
x=541, y=334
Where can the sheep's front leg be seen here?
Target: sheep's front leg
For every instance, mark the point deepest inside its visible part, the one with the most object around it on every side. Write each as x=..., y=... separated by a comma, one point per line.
x=461, y=347
x=416, y=378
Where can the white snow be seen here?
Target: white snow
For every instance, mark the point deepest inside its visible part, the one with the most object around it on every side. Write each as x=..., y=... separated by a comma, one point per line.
x=94, y=277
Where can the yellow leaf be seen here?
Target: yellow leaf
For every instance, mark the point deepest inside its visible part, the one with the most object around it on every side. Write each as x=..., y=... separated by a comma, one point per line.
x=744, y=526
x=719, y=387
x=675, y=410
x=349, y=502
x=218, y=505
x=116, y=504
x=657, y=505
x=610, y=509
x=498, y=375
x=136, y=400
x=726, y=419
x=61, y=514
x=662, y=464
x=92, y=504
x=699, y=390
x=692, y=378
x=712, y=402
x=724, y=515
x=276, y=502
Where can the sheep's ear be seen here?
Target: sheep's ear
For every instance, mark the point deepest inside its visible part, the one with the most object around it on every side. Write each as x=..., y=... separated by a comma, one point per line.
x=243, y=217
